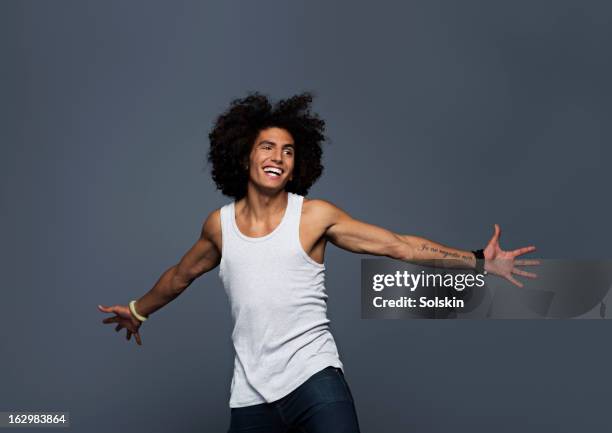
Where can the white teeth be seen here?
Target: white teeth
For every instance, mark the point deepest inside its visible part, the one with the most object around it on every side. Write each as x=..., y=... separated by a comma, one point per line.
x=273, y=170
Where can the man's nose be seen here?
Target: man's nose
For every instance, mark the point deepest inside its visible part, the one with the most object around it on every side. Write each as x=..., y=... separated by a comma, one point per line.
x=277, y=157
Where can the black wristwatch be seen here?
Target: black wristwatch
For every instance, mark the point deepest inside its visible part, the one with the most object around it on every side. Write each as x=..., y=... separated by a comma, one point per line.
x=480, y=261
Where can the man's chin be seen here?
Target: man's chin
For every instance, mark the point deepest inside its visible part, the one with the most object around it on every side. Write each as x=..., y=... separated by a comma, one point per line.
x=269, y=189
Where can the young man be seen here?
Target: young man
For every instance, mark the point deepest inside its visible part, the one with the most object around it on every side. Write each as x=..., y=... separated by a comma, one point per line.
x=269, y=244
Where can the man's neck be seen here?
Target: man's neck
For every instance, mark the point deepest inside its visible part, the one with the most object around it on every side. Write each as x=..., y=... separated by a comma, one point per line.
x=260, y=206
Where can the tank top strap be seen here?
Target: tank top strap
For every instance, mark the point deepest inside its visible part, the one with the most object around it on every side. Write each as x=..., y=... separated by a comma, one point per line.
x=292, y=223
x=292, y=200
x=226, y=224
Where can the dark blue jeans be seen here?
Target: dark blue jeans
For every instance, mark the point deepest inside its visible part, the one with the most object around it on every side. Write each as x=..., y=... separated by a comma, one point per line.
x=322, y=404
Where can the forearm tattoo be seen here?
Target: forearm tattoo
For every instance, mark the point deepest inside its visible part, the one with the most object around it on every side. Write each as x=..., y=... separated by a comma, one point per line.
x=444, y=254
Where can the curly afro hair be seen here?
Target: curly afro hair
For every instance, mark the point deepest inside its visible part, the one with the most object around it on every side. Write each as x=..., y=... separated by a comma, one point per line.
x=235, y=131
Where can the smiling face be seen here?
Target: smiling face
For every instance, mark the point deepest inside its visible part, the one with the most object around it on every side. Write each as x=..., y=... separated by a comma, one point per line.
x=272, y=159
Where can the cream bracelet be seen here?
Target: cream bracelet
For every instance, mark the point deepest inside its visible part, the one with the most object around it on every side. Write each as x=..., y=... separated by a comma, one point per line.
x=135, y=313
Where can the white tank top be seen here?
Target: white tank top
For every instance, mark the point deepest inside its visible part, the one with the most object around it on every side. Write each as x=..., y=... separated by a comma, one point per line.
x=278, y=301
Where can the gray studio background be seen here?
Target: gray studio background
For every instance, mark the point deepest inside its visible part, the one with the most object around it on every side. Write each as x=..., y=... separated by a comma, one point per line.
x=444, y=118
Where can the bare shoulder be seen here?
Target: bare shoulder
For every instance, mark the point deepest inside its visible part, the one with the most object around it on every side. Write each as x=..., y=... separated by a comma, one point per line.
x=318, y=205
x=211, y=228
x=321, y=210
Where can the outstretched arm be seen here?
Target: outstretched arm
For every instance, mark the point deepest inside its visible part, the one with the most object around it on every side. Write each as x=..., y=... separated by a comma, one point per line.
x=356, y=236
x=201, y=257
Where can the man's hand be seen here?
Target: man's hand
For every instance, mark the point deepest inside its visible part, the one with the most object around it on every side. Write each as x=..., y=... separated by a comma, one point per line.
x=124, y=319
x=502, y=263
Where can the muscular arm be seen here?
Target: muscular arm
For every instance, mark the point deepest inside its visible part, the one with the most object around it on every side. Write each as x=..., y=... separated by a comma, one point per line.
x=359, y=237
x=201, y=257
